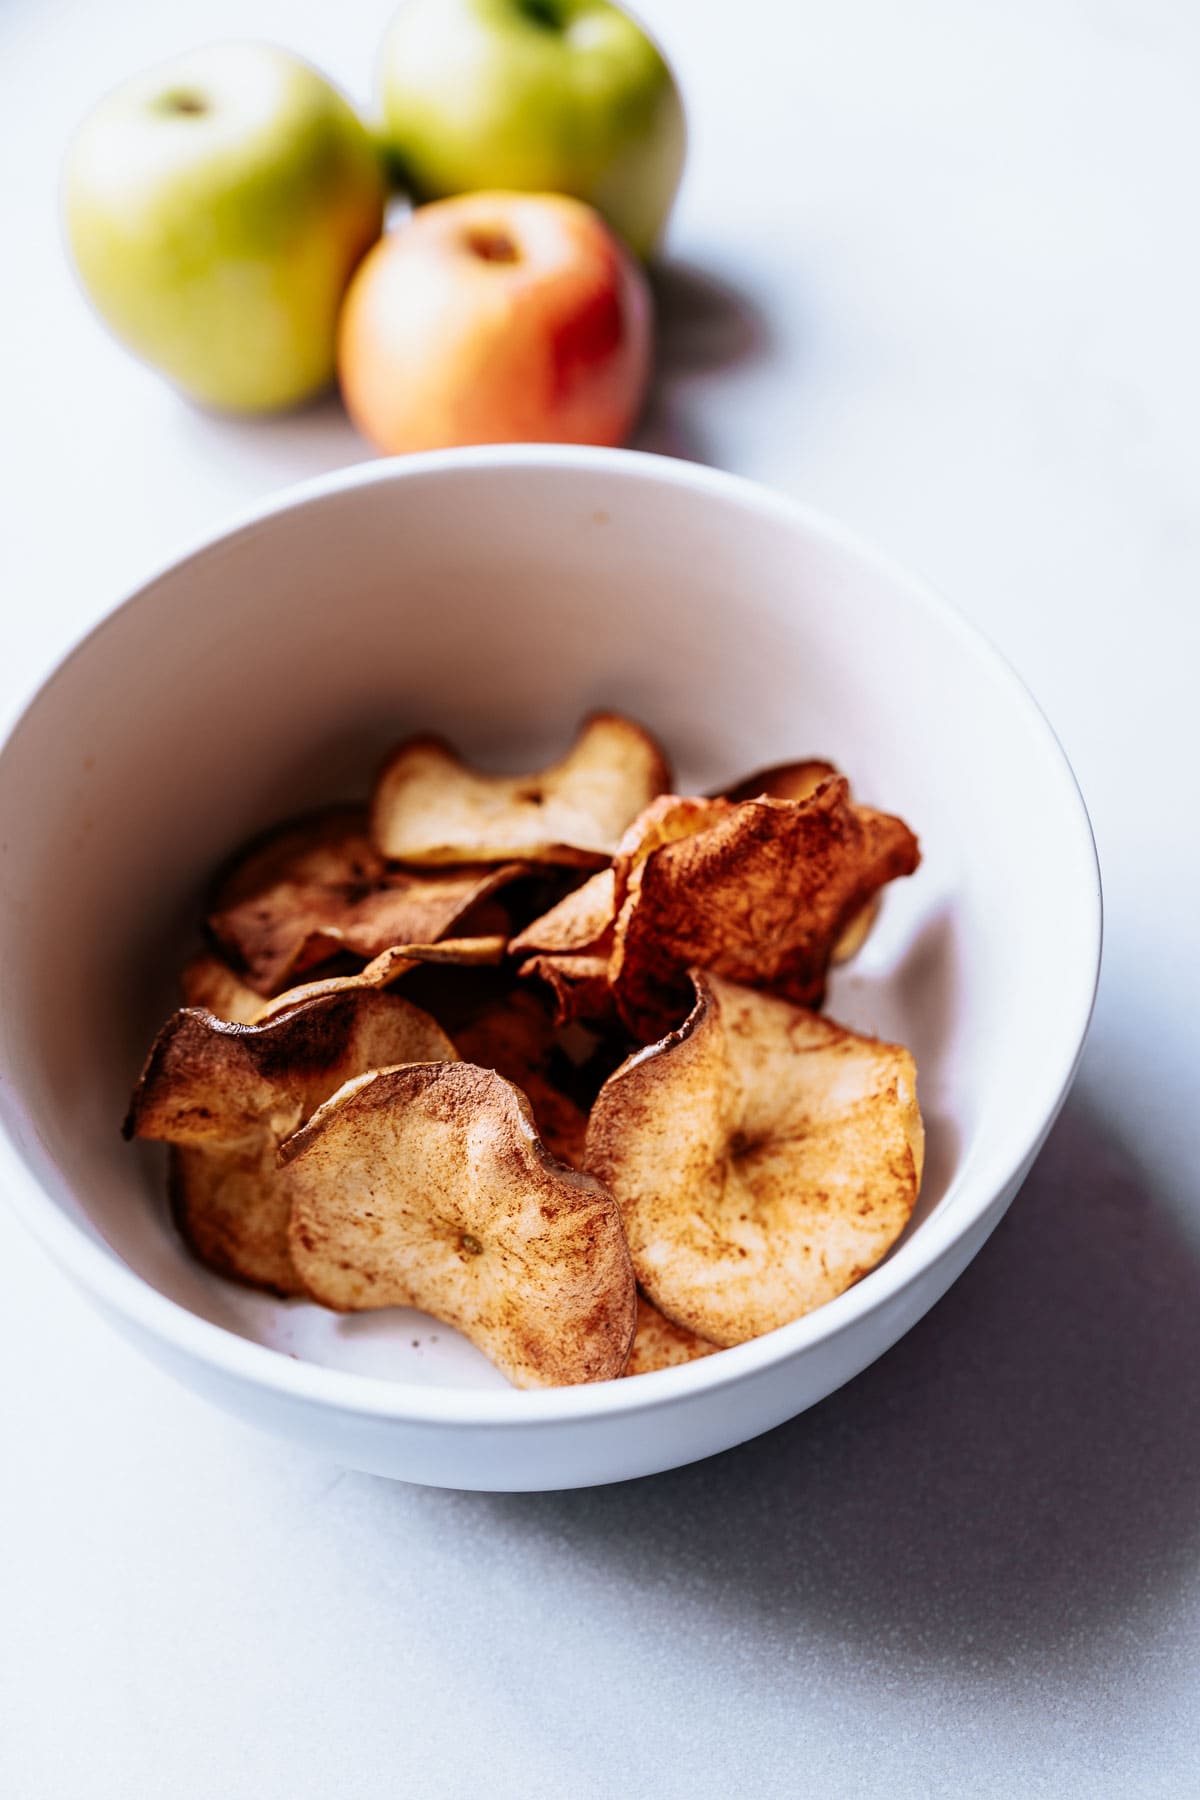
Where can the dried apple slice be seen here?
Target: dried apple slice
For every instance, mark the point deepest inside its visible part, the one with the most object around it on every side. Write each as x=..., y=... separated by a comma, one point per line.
x=561, y=1124
x=570, y=945
x=796, y=781
x=428, y=1186
x=660, y=1344
x=511, y=1033
x=591, y=964
x=579, y=984
x=760, y=896
x=231, y=1209
x=782, y=781
x=430, y=807
x=854, y=935
x=212, y=984
x=582, y=920
x=513, y=1036
x=316, y=886
x=666, y=820
x=578, y=922
x=763, y=1159
x=226, y=1095
x=389, y=966
x=568, y=948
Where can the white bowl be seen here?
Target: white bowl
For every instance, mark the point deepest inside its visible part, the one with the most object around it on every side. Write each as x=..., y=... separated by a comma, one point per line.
x=496, y=595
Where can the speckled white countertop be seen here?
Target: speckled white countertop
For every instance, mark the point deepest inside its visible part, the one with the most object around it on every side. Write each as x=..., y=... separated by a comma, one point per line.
x=935, y=269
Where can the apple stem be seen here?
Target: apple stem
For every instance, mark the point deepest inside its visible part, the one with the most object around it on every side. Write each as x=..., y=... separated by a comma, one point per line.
x=545, y=13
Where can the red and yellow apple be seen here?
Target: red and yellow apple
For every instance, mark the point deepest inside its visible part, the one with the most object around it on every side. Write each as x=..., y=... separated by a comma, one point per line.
x=496, y=318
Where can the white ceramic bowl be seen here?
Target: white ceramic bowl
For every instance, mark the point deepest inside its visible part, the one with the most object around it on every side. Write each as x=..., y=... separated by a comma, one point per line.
x=495, y=595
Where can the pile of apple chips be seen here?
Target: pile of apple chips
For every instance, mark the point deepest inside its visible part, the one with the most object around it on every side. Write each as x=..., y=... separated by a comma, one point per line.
x=542, y=1057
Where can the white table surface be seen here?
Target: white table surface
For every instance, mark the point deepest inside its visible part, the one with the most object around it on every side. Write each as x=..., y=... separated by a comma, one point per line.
x=937, y=272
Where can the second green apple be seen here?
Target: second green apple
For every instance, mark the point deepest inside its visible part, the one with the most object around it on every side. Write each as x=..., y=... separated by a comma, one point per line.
x=561, y=96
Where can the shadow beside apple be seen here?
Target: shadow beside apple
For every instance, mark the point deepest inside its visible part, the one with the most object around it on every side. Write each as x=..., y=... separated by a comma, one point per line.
x=704, y=326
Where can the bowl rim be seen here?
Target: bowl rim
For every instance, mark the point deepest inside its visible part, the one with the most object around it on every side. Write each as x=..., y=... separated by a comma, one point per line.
x=110, y=1281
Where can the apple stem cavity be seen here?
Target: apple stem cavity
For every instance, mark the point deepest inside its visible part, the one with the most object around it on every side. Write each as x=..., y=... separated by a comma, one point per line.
x=492, y=246
x=545, y=14
x=182, y=103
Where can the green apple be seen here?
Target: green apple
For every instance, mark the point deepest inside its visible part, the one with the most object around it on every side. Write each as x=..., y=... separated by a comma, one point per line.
x=216, y=208
x=565, y=96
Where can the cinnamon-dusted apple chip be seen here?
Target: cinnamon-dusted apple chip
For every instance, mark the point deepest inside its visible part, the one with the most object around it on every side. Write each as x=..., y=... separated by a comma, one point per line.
x=659, y=1344
x=578, y=922
x=568, y=948
x=226, y=1095
x=428, y=1186
x=666, y=820
x=582, y=920
x=761, y=896
x=782, y=781
x=796, y=781
x=316, y=886
x=853, y=936
x=430, y=807
x=231, y=1209
x=763, y=1159
x=570, y=945
x=389, y=966
x=210, y=983
x=513, y=1035
x=579, y=984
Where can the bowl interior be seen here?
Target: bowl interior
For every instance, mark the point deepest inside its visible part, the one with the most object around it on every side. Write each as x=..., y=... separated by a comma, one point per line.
x=496, y=597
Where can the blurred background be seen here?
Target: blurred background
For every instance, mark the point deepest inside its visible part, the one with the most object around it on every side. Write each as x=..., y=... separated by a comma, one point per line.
x=934, y=269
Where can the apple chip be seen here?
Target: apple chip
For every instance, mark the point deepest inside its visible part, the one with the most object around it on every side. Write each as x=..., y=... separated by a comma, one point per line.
x=569, y=947
x=763, y=1159
x=226, y=1095
x=488, y=918
x=582, y=920
x=659, y=1344
x=666, y=820
x=578, y=922
x=513, y=1036
x=212, y=984
x=231, y=1210
x=389, y=966
x=511, y=1032
x=854, y=935
x=316, y=886
x=761, y=896
x=796, y=781
x=579, y=985
x=562, y=1126
x=430, y=807
x=782, y=781
x=428, y=1186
